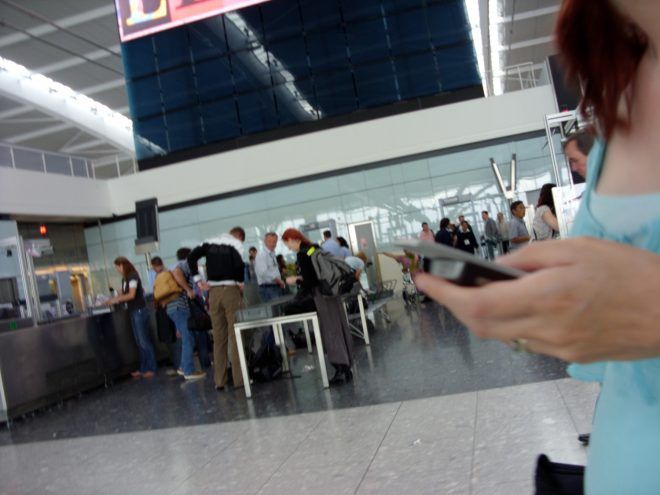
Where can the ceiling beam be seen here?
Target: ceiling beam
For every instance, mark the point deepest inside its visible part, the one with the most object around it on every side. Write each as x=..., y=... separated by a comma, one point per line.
x=65, y=22
x=528, y=14
x=88, y=91
x=83, y=146
x=44, y=131
x=67, y=63
x=526, y=44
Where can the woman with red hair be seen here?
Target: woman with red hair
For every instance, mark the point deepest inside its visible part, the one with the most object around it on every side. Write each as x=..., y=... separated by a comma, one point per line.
x=595, y=299
x=335, y=332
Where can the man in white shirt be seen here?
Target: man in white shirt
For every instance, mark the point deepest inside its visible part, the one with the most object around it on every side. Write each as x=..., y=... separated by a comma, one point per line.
x=267, y=270
x=330, y=245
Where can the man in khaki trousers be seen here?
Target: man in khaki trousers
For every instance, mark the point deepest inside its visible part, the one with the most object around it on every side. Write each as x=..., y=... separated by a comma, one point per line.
x=225, y=274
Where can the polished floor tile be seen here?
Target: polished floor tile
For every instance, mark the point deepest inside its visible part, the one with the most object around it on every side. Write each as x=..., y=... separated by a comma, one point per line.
x=432, y=409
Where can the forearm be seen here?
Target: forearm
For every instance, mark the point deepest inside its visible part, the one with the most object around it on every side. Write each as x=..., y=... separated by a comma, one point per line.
x=180, y=279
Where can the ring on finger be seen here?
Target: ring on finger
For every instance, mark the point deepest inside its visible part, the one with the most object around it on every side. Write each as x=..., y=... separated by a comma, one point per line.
x=519, y=345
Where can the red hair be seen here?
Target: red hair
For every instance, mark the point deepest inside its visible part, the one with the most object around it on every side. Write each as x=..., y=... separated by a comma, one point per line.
x=603, y=49
x=295, y=234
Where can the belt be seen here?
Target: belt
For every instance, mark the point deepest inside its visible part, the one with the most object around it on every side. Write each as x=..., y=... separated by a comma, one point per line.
x=221, y=283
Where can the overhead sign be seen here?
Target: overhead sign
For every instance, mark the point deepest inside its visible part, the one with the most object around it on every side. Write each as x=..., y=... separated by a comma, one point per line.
x=142, y=17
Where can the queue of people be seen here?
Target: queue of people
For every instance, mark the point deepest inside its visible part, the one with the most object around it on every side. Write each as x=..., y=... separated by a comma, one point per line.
x=222, y=295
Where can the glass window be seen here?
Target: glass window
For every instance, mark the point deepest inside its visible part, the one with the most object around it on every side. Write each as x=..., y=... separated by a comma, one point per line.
x=178, y=88
x=172, y=48
x=56, y=164
x=376, y=84
x=456, y=67
x=184, y=128
x=416, y=76
x=448, y=23
x=145, y=98
x=408, y=32
x=316, y=15
x=153, y=130
x=207, y=39
x=367, y=40
x=139, y=57
x=293, y=61
x=335, y=93
x=296, y=102
x=281, y=20
x=289, y=55
x=28, y=160
x=327, y=50
x=220, y=120
x=5, y=156
x=214, y=79
x=257, y=111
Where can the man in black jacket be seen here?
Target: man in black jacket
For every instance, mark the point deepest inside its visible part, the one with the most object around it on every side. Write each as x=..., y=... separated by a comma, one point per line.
x=225, y=275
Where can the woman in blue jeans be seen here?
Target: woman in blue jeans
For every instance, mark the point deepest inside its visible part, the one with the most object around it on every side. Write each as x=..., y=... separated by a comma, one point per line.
x=133, y=295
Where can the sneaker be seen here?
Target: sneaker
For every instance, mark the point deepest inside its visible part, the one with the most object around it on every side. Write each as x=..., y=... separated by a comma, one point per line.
x=171, y=372
x=180, y=372
x=148, y=374
x=136, y=374
x=197, y=375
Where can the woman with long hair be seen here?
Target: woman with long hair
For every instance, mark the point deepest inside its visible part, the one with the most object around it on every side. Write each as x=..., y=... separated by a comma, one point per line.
x=595, y=299
x=545, y=225
x=132, y=294
x=336, y=335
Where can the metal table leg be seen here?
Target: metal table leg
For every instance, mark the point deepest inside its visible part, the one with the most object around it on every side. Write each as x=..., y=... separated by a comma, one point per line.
x=241, y=358
x=363, y=319
x=307, y=339
x=319, y=351
x=279, y=342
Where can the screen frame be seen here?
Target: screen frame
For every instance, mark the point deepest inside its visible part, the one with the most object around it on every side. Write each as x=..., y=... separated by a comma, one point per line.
x=125, y=37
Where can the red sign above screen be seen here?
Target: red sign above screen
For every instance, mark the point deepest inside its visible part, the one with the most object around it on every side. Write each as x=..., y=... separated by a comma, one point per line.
x=142, y=17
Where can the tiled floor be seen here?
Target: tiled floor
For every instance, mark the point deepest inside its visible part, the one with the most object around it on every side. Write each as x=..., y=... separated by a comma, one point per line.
x=431, y=410
x=481, y=442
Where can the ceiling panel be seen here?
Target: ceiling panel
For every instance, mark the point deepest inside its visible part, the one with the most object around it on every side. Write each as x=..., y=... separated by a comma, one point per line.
x=58, y=48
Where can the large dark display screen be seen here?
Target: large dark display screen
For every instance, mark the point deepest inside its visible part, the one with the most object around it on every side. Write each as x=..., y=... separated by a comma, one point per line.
x=142, y=17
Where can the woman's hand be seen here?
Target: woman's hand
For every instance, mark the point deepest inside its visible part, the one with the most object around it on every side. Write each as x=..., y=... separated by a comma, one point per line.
x=291, y=280
x=585, y=300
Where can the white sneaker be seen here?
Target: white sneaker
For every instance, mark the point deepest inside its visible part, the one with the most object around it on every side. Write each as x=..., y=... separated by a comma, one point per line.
x=197, y=375
x=180, y=372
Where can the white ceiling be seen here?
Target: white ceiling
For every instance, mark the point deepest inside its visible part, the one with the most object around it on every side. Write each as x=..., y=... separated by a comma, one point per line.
x=524, y=30
x=81, y=51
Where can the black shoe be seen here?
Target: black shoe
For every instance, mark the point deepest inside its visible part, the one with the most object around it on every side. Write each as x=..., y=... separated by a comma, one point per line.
x=343, y=374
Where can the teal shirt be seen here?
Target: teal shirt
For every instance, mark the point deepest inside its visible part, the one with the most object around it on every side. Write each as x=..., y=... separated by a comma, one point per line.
x=624, y=452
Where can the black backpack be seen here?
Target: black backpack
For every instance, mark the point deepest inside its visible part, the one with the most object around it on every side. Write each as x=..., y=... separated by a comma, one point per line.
x=266, y=363
x=336, y=278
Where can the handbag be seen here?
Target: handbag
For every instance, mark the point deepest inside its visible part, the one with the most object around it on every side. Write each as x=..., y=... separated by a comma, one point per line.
x=554, y=478
x=199, y=320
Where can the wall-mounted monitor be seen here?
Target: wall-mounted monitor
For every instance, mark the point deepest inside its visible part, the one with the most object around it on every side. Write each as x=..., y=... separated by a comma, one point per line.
x=142, y=17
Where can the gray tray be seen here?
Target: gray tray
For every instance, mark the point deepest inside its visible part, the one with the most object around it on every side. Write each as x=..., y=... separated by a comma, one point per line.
x=272, y=308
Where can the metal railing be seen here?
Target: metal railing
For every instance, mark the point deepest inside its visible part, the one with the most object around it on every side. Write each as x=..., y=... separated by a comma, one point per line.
x=48, y=162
